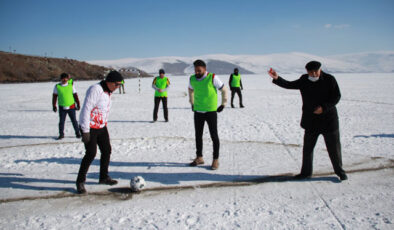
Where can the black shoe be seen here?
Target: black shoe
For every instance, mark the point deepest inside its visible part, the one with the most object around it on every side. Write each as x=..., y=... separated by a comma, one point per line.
x=232, y=106
x=60, y=137
x=166, y=120
x=81, y=188
x=301, y=177
x=108, y=181
x=78, y=135
x=343, y=177
x=242, y=106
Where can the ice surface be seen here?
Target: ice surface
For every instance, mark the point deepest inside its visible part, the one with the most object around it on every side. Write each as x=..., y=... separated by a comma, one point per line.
x=262, y=139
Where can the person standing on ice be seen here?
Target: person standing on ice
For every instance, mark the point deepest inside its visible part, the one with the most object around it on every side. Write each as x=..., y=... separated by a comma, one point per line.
x=67, y=97
x=320, y=94
x=236, y=87
x=121, y=87
x=160, y=84
x=93, y=121
x=203, y=97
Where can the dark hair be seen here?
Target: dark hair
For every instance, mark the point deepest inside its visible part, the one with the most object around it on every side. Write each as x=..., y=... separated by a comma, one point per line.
x=114, y=76
x=199, y=63
x=63, y=75
x=236, y=69
x=161, y=71
x=313, y=66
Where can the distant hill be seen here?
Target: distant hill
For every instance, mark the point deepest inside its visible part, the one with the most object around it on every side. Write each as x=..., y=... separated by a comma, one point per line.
x=283, y=62
x=382, y=61
x=24, y=68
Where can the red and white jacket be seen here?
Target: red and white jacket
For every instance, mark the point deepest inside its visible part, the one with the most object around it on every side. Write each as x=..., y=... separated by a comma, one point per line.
x=95, y=109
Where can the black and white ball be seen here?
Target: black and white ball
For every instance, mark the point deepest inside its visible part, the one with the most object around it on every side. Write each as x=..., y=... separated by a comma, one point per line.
x=137, y=183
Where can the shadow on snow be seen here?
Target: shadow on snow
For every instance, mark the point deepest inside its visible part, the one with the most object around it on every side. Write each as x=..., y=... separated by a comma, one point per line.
x=17, y=181
x=383, y=135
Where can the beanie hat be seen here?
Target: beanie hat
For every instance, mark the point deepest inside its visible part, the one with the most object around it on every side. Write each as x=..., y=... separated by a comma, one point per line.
x=114, y=76
x=313, y=66
x=161, y=71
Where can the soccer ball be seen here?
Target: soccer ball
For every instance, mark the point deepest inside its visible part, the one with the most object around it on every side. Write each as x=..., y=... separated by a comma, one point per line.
x=137, y=183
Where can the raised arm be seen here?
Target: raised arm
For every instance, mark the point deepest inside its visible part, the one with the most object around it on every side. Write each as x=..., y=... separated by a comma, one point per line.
x=282, y=82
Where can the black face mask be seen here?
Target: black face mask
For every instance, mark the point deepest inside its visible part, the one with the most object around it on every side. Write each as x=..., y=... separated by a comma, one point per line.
x=199, y=76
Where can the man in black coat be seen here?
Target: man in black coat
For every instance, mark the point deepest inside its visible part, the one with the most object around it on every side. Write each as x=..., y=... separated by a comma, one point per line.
x=320, y=94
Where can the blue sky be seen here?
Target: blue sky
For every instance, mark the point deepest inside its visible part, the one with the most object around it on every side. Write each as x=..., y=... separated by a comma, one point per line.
x=90, y=30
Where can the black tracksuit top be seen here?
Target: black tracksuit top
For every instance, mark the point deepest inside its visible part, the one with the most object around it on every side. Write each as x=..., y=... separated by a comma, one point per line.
x=325, y=93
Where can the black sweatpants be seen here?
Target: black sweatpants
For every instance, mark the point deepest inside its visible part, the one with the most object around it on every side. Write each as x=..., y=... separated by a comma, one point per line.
x=333, y=144
x=98, y=137
x=238, y=91
x=156, y=109
x=199, y=121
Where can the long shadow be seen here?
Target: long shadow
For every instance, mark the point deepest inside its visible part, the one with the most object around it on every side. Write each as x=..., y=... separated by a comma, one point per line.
x=17, y=181
x=25, y=137
x=383, y=135
x=129, y=121
x=177, y=178
x=29, y=110
x=77, y=161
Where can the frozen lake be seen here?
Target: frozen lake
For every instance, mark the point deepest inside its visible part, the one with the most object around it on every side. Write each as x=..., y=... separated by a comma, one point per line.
x=261, y=140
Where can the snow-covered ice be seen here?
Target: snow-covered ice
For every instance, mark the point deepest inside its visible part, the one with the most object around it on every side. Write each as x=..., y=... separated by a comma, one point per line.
x=260, y=140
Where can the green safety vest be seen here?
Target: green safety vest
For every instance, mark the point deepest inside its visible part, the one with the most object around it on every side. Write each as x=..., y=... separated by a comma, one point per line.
x=161, y=83
x=205, y=94
x=65, y=94
x=236, y=82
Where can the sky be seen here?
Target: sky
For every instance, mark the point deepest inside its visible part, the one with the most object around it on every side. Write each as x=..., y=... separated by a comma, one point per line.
x=97, y=30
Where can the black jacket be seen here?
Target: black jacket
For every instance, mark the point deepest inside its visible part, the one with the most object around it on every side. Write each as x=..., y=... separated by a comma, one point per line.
x=325, y=93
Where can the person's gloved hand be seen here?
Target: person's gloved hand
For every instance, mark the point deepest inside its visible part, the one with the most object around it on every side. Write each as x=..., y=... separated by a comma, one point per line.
x=54, y=109
x=85, y=137
x=77, y=107
x=220, y=108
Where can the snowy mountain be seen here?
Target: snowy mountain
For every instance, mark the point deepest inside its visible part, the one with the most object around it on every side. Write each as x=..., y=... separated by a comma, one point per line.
x=283, y=62
x=375, y=62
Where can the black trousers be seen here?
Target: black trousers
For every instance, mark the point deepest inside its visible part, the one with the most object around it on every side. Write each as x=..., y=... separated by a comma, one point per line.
x=156, y=109
x=199, y=121
x=98, y=137
x=333, y=144
x=239, y=93
x=121, y=87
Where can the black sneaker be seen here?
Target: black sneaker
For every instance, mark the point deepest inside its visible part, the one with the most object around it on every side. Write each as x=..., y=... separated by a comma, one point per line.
x=60, y=137
x=301, y=177
x=78, y=135
x=81, y=188
x=108, y=181
x=343, y=177
x=232, y=106
x=242, y=106
x=166, y=120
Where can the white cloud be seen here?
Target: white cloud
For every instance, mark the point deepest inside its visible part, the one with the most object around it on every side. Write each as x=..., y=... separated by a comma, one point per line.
x=339, y=26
